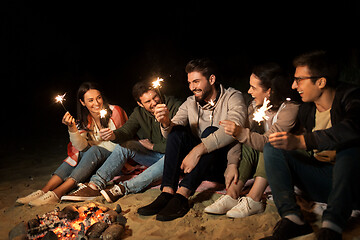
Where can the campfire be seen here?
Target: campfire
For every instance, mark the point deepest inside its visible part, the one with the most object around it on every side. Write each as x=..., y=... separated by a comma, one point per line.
x=74, y=222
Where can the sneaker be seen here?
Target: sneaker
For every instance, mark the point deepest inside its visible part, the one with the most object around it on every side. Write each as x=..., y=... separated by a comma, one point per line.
x=113, y=194
x=177, y=207
x=246, y=206
x=221, y=205
x=328, y=234
x=156, y=206
x=83, y=193
x=47, y=198
x=30, y=197
x=286, y=229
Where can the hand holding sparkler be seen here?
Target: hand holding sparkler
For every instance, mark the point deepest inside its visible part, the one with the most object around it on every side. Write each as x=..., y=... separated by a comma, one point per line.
x=230, y=128
x=162, y=115
x=260, y=113
x=69, y=121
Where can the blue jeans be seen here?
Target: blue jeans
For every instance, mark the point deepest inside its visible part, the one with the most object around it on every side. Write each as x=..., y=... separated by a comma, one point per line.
x=337, y=185
x=115, y=162
x=88, y=162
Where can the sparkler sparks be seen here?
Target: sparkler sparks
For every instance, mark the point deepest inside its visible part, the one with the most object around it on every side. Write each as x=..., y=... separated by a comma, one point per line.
x=60, y=99
x=211, y=102
x=157, y=85
x=103, y=113
x=259, y=114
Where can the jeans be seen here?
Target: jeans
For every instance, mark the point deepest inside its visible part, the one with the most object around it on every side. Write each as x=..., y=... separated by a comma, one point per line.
x=337, y=185
x=115, y=162
x=211, y=166
x=88, y=162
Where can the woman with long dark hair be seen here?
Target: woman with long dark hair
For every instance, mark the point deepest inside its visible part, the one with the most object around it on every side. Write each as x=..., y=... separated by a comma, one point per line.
x=266, y=81
x=83, y=133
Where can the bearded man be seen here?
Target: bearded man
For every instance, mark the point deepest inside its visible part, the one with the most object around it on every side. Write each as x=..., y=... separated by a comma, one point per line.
x=196, y=144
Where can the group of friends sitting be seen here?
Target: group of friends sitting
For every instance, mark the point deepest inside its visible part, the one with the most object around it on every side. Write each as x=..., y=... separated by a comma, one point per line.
x=309, y=138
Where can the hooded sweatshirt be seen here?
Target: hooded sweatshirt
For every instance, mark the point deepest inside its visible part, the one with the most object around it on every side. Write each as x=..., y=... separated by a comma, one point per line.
x=230, y=105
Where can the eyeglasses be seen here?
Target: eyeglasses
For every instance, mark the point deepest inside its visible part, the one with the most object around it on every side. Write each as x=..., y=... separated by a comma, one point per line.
x=298, y=79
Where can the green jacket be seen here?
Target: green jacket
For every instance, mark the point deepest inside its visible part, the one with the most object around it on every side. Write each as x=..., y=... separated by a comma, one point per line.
x=143, y=125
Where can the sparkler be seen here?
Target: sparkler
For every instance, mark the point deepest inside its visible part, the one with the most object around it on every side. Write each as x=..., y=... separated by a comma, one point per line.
x=103, y=113
x=60, y=99
x=157, y=85
x=211, y=102
x=259, y=114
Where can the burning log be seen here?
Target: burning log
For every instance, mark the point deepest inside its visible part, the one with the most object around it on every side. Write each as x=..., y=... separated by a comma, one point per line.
x=96, y=229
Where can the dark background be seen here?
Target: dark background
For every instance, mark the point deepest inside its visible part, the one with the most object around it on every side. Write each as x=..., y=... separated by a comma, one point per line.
x=51, y=47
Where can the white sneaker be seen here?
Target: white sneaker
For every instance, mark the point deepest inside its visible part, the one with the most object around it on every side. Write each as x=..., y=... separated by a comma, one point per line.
x=47, y=198
x=246, y=207
x=221, y=205
x=30, y=197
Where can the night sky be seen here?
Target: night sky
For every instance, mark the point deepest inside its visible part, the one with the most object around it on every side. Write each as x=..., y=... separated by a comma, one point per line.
x=51, y=47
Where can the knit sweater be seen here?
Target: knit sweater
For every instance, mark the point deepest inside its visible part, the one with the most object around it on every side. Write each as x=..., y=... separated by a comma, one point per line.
x=142, y=124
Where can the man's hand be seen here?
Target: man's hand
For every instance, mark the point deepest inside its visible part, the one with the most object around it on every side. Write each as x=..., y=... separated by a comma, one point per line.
x=193, y=157
x=230, y=128
x=161, y=114
x=231, y=175
x=147, y=144
x=287, y=141
x=106, y=134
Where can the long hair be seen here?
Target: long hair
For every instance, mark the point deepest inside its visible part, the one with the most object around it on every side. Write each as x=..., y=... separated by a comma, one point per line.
x=83, y=112
x=273, y=76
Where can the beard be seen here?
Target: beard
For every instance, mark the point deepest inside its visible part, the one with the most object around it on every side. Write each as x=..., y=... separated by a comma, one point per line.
x=206, y=93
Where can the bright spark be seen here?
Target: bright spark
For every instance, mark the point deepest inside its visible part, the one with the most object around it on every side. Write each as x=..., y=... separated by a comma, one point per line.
x=156, y=83
x=103, y=113
x=259, y=114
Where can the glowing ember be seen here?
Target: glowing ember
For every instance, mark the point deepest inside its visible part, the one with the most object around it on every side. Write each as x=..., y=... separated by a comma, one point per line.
x=103, y=113
x=156, y=83
x=259, y=114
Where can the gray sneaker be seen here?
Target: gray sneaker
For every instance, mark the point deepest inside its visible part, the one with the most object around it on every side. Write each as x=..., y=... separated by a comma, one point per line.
x=30, y=197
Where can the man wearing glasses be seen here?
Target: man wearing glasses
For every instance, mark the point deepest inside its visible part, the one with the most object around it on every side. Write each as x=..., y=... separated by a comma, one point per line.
x=323, y=161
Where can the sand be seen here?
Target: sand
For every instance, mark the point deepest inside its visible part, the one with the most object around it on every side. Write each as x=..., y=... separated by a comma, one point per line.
x=26, y=168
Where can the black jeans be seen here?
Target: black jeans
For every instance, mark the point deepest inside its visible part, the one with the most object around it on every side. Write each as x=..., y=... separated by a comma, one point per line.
x=211, y=166
x=337, y=185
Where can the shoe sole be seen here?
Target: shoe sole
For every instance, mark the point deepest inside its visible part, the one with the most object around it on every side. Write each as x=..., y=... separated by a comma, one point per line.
x=77, y=198
x=107, y=198
x=243, y=216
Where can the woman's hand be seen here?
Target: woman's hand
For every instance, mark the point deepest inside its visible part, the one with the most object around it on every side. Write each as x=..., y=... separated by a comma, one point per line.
x=230, y=128
x=69, y=121
x=107, y=134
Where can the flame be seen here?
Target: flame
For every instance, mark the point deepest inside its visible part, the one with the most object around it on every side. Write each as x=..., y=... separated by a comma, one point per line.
x=103, y=113
x=156, y=83
x=60, y=98
x=259, y=114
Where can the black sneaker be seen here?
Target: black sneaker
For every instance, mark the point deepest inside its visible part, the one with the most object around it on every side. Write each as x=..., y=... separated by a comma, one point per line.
x=286, y=229
x=156, y=206
x=176, y=208
x=328, y=234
